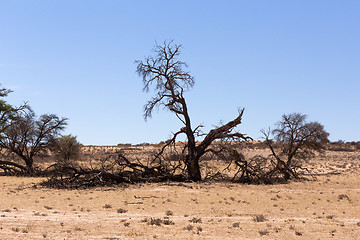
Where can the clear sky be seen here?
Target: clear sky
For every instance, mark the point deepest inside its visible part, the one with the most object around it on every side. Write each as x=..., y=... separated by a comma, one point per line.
x=75, y=58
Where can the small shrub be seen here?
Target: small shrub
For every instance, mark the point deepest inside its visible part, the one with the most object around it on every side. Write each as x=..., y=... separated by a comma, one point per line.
x=121, y=210
x=195, y=220
x=236, y=224
x=16, y=229
x=343, y=196
x=169, y=213
x=189, y=227
x=155, y=221
x=298, y=233
x=168, y=222
x=263, y=232
x=259, y=218
x=107, y=206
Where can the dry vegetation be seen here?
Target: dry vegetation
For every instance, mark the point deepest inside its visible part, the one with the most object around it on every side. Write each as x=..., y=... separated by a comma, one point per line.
x=293, y=185
x=326, y=206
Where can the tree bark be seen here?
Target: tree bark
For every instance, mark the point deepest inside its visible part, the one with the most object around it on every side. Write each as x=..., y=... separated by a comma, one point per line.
x=193, y=168
x=29, y=166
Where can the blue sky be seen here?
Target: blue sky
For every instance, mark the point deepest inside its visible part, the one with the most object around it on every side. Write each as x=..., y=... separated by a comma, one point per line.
x=76, y=59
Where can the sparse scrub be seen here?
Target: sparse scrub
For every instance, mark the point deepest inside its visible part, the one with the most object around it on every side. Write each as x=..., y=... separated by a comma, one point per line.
x=236, y=225
x=189, y=227
x=169, y=213
x=15, y=229
x=65, y=149
x=259, y=218
x=155, y=221
x=263, y=232
x=195, y=220
x=343, y=196
x=121, y=210
x=168, y=222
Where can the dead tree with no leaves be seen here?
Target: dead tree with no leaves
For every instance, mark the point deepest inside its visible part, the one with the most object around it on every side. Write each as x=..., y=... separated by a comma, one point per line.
x=165, y=73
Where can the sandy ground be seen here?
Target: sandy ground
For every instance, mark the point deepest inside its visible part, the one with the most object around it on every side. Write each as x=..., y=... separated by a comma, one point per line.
x=326, y=208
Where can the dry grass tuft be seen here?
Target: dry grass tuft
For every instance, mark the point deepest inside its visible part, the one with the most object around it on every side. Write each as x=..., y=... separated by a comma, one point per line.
x=121, y=210
x=169, y=213
x=189, y=227
x=259, y=218
x=195, y=220
x=236, y=225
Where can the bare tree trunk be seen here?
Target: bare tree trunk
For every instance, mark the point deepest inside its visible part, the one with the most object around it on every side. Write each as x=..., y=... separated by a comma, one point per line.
x=193, y=168
x=170, y=80
x=29, y=165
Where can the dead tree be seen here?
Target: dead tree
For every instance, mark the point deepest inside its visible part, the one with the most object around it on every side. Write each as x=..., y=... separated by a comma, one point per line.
x=165, y=72
x=114, y=168
x=299, y=140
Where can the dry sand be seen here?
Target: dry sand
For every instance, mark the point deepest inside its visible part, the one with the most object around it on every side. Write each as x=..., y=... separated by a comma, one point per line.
x=328, y=208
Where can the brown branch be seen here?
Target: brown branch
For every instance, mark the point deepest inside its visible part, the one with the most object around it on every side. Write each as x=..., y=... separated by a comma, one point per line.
x=7, y=163
x=222, y=132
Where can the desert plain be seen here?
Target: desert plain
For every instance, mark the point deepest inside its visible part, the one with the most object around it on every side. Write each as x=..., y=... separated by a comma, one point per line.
x=325, y=206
